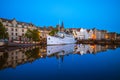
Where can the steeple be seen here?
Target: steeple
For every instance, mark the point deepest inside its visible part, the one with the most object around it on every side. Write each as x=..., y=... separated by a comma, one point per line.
x=62, y=27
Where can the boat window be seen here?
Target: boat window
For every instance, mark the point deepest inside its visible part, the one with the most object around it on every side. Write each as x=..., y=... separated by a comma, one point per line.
x=49, y=51
x=49, y=38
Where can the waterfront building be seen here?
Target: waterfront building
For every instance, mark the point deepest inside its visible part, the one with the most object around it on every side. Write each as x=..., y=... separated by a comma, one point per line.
x=90, y=34
x=98, y=35
x=44, y=31
x=111, y=36
x=103, y=34
x=80, y=34
x=16, y=29
x=118, y=37
x=94, y=34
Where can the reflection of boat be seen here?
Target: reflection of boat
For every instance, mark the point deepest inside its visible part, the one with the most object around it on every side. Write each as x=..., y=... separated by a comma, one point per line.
x=60, y=38
x=60, y=49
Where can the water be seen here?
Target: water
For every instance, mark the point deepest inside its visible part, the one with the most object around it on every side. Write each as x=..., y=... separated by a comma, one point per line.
x=73, y=62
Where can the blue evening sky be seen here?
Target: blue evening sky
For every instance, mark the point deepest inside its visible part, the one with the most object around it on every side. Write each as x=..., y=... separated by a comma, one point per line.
x=102, y=14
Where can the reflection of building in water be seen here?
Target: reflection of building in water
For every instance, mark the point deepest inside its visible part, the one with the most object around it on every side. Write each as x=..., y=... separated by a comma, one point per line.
x=20, y=56
x=62, y=50
x=59, y=51
x=13, y=58
x=84, y=49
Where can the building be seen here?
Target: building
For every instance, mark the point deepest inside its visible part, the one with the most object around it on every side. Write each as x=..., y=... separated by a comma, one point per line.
x=90, y=34
x=118, y=37
x=16, y=29
x=103, y=34
x=44, y=31
x=80, y=34
x=111, y=36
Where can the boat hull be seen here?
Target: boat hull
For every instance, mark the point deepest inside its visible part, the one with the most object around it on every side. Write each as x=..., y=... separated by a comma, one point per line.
x=51, y=40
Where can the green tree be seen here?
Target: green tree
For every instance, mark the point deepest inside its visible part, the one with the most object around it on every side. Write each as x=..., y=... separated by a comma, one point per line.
x=53, y=32
x=33, y=34
x=29, y=34
x=36, y=35
x=3, y=32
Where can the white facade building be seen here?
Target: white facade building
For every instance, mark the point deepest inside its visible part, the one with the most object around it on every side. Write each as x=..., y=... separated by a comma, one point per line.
x=16, y=29
x=81, y=34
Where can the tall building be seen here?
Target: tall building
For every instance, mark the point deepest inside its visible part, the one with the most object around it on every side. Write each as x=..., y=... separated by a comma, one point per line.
x=62, y=27
x=16, y=29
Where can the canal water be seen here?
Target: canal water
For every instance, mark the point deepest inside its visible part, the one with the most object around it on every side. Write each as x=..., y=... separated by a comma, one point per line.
x=61, y=62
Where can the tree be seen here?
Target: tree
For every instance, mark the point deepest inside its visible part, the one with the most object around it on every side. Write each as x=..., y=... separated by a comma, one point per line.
x=28, y=34
x=53, y=32
x=33, y=34
x=3, y=32
x=36, y=35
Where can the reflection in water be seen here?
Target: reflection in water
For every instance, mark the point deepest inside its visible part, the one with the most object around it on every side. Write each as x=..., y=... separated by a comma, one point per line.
x=14, y=57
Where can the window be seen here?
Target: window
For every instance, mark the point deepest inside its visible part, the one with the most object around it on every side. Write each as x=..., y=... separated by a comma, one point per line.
x=16, y=34
x=15, y=29
x=12, y=29
x=22, y=30
x=12, y=53
x=14, y=25
x=22, y=34
x=16, y=57
x=11, y=33
x=12, y=38
x=6, y=24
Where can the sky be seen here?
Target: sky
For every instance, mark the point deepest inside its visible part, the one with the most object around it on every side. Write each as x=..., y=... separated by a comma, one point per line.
x=100, y=14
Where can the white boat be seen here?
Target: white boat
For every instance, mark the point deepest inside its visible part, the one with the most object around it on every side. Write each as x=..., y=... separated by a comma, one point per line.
x=60, y=38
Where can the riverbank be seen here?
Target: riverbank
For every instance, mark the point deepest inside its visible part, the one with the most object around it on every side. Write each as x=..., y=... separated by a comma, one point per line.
x=109, y=42
x=101, y=42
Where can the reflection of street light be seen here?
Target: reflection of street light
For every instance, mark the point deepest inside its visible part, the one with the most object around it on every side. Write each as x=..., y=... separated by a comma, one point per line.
x=93, y=46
